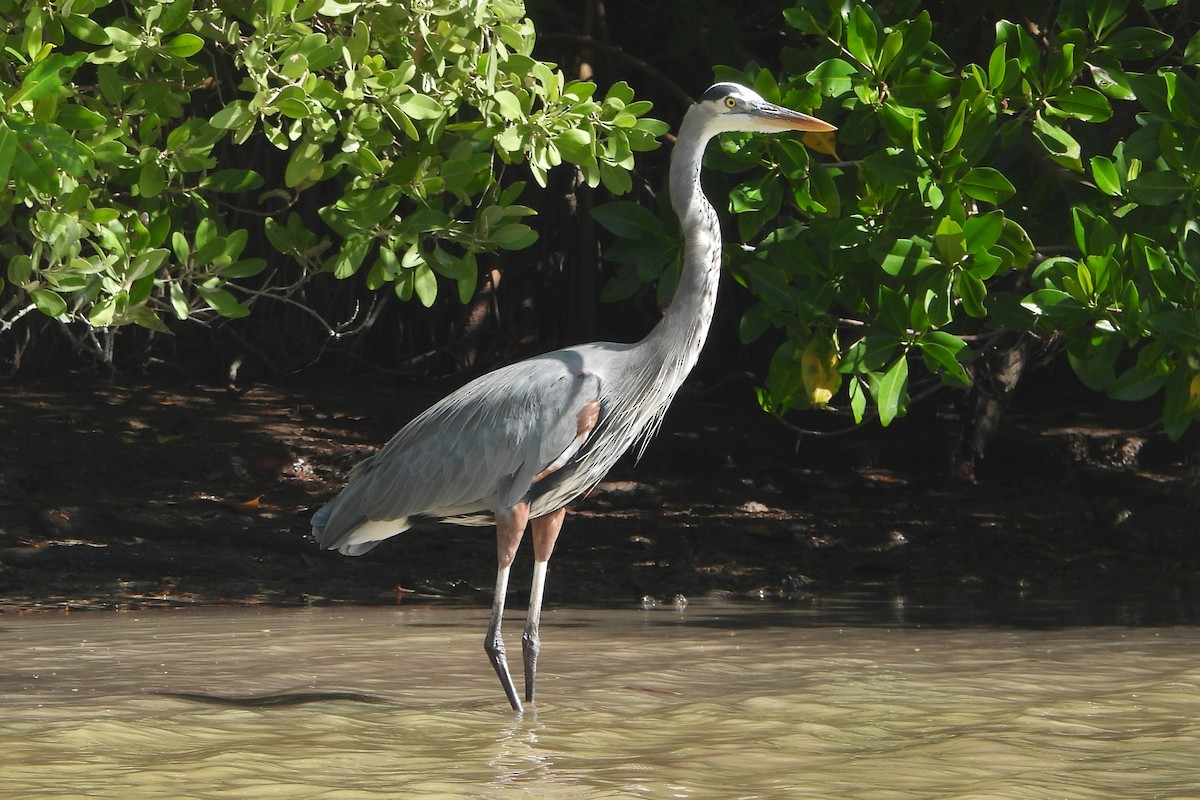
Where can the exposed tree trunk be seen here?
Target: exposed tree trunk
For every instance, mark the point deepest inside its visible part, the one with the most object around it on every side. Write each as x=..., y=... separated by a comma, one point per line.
x=996, y=374
x=475, y=317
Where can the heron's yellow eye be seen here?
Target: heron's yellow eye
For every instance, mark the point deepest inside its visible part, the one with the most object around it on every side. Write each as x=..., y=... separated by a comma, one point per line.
x=730, y=102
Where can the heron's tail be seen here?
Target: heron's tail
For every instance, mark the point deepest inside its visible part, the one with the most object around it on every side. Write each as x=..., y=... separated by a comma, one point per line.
x=356, y=539
x=319, y=521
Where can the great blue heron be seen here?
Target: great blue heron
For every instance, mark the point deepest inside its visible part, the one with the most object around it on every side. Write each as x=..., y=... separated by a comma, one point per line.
x=520, y=443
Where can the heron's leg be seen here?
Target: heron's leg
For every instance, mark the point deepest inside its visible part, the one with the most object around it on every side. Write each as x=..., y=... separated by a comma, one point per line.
x=510, y=527
x=545, y=534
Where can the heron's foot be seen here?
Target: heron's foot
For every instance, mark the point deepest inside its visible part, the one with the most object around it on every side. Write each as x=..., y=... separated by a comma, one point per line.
x=530, y=647
x=494, y=647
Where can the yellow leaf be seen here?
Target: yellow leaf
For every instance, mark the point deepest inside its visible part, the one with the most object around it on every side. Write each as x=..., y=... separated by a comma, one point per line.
x=819, y=371
x=821, y=142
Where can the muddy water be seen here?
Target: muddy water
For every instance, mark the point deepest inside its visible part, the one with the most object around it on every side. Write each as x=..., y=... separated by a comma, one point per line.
x=708, y=701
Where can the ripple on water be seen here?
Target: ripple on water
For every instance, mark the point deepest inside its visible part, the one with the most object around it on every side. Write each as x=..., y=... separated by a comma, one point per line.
x=634, y=705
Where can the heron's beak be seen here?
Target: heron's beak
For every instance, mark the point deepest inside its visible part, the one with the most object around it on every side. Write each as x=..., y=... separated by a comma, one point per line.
x=788, y=120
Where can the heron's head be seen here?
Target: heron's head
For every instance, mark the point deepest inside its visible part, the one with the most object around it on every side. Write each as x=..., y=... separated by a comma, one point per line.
x=732, y=107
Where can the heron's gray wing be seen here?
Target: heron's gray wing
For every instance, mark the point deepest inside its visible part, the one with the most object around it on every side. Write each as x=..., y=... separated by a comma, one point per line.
x=479, y=448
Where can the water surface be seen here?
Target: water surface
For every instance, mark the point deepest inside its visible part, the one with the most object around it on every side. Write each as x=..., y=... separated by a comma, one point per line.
x=709, y=700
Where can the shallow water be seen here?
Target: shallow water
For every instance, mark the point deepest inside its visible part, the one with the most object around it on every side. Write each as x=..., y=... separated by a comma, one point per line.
x=705, y=701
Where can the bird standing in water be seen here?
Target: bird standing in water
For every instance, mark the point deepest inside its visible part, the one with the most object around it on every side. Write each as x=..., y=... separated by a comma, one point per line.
x=518, y=444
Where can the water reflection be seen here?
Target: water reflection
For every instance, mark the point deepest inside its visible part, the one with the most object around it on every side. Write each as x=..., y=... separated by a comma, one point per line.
x=833, y=700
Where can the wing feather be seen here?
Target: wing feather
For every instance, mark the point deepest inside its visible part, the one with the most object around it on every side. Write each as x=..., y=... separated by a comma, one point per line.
x=477, y=449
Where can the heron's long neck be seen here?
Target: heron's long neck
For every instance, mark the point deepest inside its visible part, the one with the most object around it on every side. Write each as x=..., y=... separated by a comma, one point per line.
x=658, y=364
x=679, y=336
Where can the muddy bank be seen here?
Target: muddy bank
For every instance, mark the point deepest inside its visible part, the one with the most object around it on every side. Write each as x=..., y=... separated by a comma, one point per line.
x=133, y=495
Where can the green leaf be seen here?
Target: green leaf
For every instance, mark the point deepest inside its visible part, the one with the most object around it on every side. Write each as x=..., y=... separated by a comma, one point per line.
x=942, y=350
x=907, y=257
x=146, y=263
x=832, y=77
x=1183, y=98
x=510, y=106
x=223, y=302
x=20, y=269
x=49, y=302
x=1092, y=359
x=184, y=45
x=467, y=285
x=628, y=220
x=1191, y=53
x=1180, y=148
x=350, y=257
x=513, y=236
x=1057, y=306
x=448, y=266
x=304, y=164
x=145, y=317
x=1104, y=172
x=179, y=302
x=575, y=144
x=294, y=67
x=102, y=313
x=890, y=390
x=1151, y=90
x=1083, y=103
x=871, y=353
x=61, y=231
x=152, y=179
x=1020, y=45
x=986, y=264
x=232, y=116
x=754, y=323
x=766, y=85
x=954, y=128
x=232, y=180
x=336, y=8
x=997, y=67
x=292, y=107
x=862, y=37
x=424, y=284
x=919, y=86
x=426, y=220
x=1158, y=188
x=175, y=15
x=1177, y=412
x=1136, y=384
x=206, y=234
x=79, y=118
x=1103, y=14
x=981, y=231
x=858, y=400
x=1059, y=144
x=112, y=88
x=950, y=241
x=1137, y=42
x=971, y=292
x=122, y=40
x=1111, y=80
x=892, y=312
x=419, y=106
x=895, y=165
x=459, y=174
x=987, y=184
x=246, y=268
x=45, y=78
x=83, y=28
x=1179, y=327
